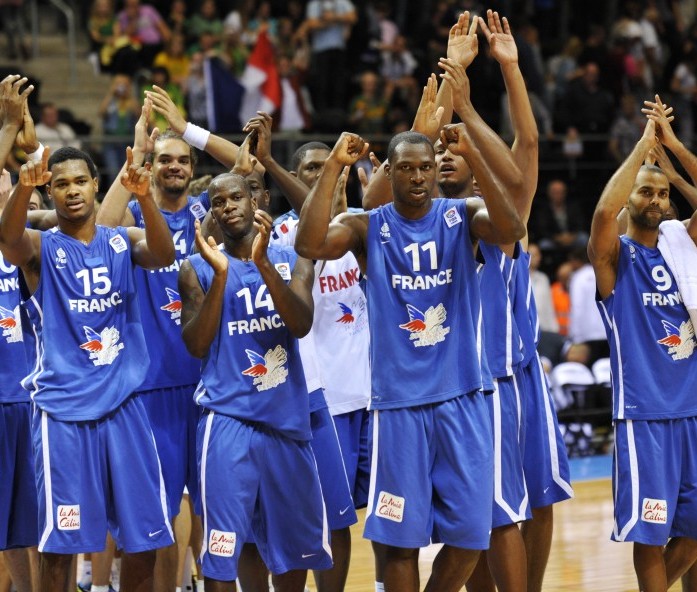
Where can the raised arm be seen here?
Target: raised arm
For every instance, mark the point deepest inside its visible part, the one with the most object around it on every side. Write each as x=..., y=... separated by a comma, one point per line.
x=13, y=102
x=317, y=238
x=686, y=189
x=201, y=311
x=153, y=247
x=20, y=245
x=603, y=247
x=293, y=188
x=114, y=210
x=525, y=145
x=499, y=222
x=224, y=151
x=293, y=301
x=497, y=157
x=661, y=114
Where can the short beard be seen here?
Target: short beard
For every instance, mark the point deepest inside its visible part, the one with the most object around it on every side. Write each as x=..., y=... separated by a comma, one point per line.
x=454, y=189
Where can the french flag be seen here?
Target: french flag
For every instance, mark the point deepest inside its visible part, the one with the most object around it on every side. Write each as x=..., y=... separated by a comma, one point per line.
x=224, y=95
x=260, y=80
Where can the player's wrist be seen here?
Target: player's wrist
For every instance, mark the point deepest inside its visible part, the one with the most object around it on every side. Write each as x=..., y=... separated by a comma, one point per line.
x=196, y=136
x=37, y=154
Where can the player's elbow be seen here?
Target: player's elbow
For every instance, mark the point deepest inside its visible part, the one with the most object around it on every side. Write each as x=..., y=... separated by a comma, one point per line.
x=306, y=249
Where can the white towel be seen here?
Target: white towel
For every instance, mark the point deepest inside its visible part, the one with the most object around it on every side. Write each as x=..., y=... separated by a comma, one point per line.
x=680, y=253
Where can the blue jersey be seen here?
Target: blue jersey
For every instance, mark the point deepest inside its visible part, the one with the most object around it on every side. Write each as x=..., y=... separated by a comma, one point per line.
x=652, y=340
x=502, y=343
x=91, y=347
x=13, y=356
x=161, y=305
x=423, y=306
x=524, y=308
x=253, y=370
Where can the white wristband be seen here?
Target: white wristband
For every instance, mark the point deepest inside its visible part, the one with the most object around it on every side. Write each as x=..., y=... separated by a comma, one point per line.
x=196, y=136
x=37, y=154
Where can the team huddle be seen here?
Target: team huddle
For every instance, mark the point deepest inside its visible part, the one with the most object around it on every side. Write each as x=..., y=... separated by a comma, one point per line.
x=286, y=373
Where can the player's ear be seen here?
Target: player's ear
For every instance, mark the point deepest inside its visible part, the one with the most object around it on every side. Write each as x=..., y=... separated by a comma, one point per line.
x=293, y=173
x=387, y=169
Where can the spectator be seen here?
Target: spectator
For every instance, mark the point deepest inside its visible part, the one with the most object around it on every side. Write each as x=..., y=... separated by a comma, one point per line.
x=329, y=24
x=262, y=18
x=368, y=110
x=13, y=23
x=398, y=66
x=293, y=113
x=559, y=224
x=160, y=77
x=50, y=131
x=100, y=28
x=176, y=19
x=195, y=92
x=562, y=68
x=174, y=59
x=144, y=25
x=626, y=129
x=542, y=292
x=119, y=112
x=206, y=20
x=587, y=106
x=560, y=297
x=585, y=325
x=684, y=86
x=233, y=51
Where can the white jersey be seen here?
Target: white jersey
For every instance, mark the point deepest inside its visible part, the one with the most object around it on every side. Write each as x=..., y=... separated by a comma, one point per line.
x=340, y=328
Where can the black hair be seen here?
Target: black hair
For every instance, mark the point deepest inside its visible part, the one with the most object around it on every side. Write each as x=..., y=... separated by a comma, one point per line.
x=224, y=176
x=409, y=138
x=300, y=153
x=70, y=153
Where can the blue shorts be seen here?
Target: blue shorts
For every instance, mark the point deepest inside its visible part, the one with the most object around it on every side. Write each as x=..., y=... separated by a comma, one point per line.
x=18, y=508
x=257, y=485
x=332, y=474
x=511, y=503
x=97, y=474
x=545, y=461
x=432, y=475
x=353, y=431
x=655, y=480
x=174, y=418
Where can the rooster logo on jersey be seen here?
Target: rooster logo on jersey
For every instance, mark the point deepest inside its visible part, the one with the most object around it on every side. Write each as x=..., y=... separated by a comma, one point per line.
x=426, y=328
x=174, y=306
x=680, y=342
x=346, y=316
x=11, y=324
x=269, y=370
x=104, y=347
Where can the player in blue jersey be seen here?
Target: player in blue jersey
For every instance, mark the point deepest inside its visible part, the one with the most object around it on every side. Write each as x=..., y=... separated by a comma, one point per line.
x=173, y=373
x=92, y=440
x=653, y=368
x=245, y=305
x=319, y=354
x=424, y=309
x=18, y=507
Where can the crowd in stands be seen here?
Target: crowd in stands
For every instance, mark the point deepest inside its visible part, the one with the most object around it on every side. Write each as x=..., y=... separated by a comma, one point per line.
x=360, y=66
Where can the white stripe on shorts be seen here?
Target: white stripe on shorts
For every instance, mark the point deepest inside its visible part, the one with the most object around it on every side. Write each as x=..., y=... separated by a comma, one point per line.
x=373, y=465
x=48, y=527
x=634, y=475
x=204, y=458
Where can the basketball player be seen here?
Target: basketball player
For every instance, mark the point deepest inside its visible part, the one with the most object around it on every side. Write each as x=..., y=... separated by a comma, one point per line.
x=92, y=439
x=651, y=348
x=243, y=309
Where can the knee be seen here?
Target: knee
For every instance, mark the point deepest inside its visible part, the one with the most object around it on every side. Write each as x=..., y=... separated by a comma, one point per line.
x=400, y=554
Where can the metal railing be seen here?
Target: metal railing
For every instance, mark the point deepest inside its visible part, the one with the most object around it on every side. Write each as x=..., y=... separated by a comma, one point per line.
x=69, y=15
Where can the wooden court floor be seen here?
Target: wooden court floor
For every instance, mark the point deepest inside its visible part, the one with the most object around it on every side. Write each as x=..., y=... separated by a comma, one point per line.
x=583, y=558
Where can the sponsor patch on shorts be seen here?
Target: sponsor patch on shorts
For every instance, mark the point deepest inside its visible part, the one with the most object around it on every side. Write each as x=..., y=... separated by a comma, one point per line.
x=390, y=507
x=68, y=517
x=654, y=510
x=222, y=543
